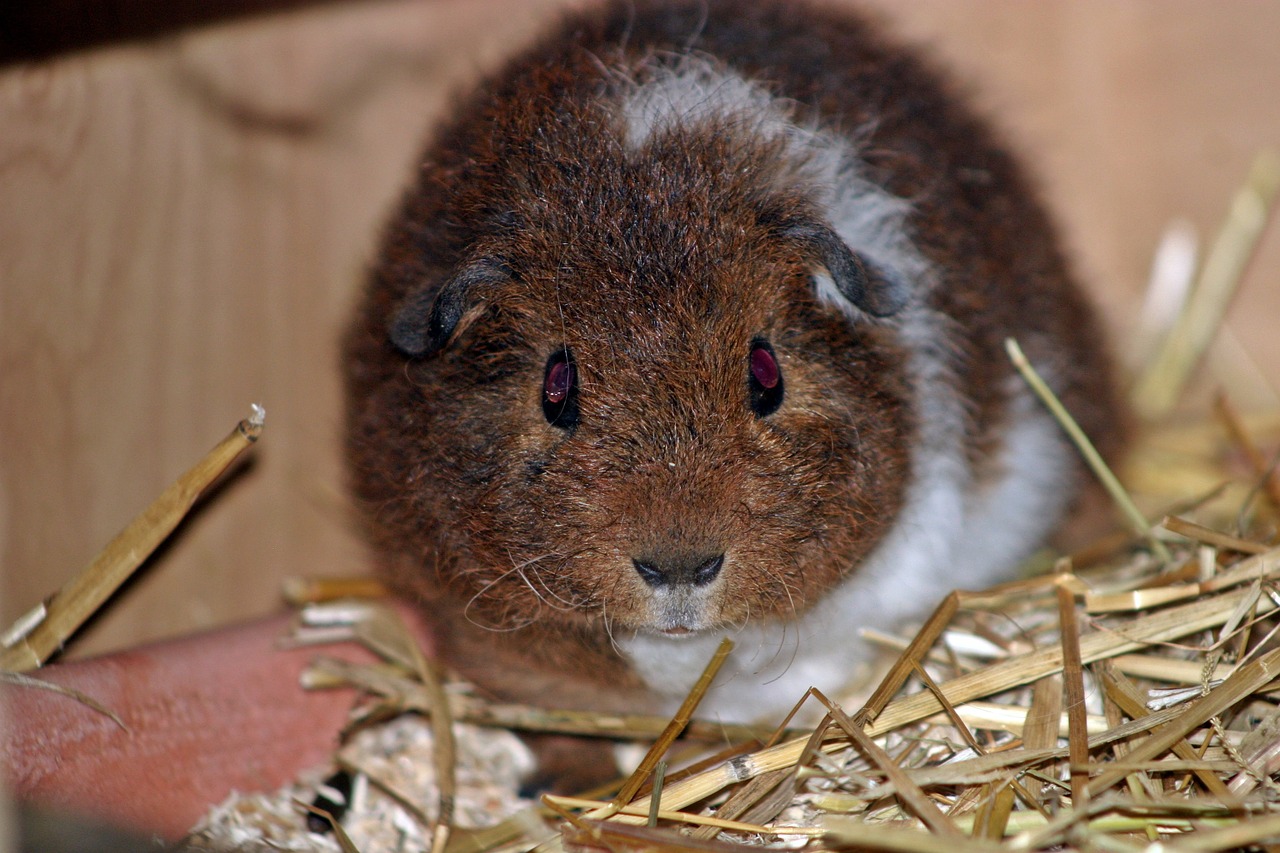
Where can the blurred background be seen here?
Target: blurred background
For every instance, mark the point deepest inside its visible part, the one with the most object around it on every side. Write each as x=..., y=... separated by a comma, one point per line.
x=190, y=194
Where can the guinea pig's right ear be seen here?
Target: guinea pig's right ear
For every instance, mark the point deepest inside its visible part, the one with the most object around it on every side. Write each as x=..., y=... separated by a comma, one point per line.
x=858, y=282
x=428, y=318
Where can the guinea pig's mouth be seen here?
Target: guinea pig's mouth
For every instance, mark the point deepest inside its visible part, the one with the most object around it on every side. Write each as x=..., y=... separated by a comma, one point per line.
x=680, y=611
x=679, y=622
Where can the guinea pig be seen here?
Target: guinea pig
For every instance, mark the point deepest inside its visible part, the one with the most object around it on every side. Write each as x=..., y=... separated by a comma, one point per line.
x=691, y=327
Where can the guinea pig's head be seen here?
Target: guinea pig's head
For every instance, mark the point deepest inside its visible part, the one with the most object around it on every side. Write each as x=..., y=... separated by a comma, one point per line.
x=629, y=373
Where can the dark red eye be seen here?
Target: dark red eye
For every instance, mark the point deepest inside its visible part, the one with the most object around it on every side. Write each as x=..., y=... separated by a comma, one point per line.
x=764, y=379
x=559, y=381
x=764, y=368
x=560, y=390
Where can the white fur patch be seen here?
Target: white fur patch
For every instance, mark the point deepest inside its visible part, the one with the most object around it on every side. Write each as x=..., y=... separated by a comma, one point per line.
x=948, y=528
x=696, y=91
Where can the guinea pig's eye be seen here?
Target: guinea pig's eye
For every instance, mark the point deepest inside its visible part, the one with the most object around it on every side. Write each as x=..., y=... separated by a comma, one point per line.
x=560, y=390
x=765, y=379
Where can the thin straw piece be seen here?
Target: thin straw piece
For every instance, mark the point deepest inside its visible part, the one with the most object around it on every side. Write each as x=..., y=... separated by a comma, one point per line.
x=1090, y=453
x=906, y=663
x=1209, y=536
x=616, y=837
x=299, y=591
x=1139, y=599
x=1261, y=830
x=642, y=816
x=1165, y=669
x=861, y=835
x=1240, y=435
x=1160, y=386
x=81, y=597
x=910, y=793
x=445, y=749
x=88, y=701
x=750, y=795
x=681, y=719
x=1043, y=721
x=1073, y=685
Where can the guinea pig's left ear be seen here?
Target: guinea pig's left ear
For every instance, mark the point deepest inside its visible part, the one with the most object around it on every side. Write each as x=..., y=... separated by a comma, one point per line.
x=428, y=317
x=862, y=283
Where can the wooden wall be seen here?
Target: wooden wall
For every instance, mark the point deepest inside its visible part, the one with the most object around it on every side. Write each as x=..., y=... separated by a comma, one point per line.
x=184, y=222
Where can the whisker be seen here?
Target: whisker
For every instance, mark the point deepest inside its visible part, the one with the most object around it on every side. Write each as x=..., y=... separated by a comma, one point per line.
x=787, y=626
x=518, y=570
x=608, y=629
x=567, y=605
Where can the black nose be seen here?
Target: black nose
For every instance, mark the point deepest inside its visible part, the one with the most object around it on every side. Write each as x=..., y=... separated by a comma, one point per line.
x=684, y=571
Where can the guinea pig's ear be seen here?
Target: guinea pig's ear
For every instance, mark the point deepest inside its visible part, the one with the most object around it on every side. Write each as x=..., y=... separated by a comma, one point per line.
x=859, y=282
x=427, y=318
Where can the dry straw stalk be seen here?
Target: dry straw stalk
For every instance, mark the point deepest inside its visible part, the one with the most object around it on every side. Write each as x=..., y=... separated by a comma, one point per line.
x=47, y=628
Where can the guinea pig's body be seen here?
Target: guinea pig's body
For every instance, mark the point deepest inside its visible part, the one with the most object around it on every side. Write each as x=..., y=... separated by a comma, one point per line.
x=692, y=327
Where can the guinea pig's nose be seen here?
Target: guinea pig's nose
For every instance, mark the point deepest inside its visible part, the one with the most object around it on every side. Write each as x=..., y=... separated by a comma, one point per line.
x=680, y=571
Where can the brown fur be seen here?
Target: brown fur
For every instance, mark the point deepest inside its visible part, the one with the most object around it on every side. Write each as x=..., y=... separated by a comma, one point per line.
x=518, y=537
